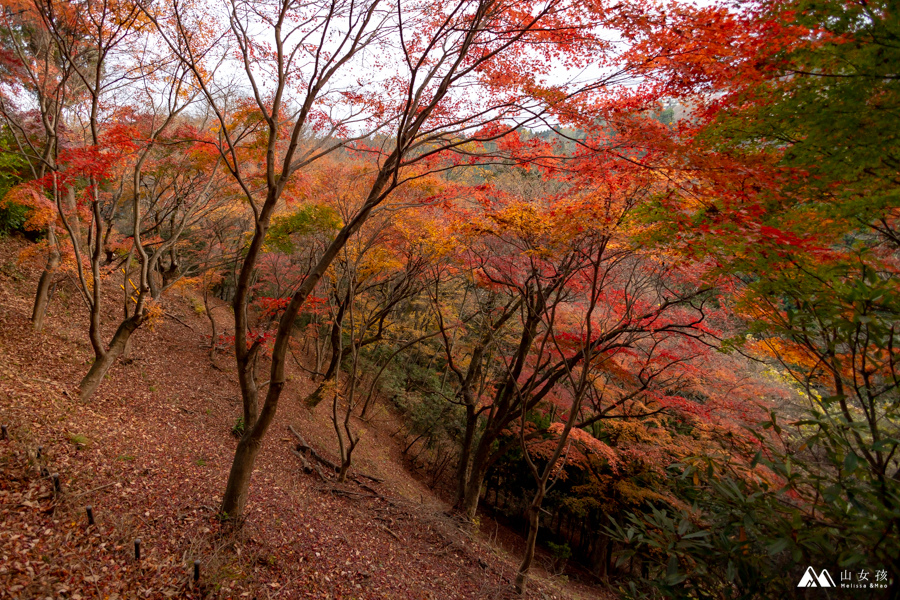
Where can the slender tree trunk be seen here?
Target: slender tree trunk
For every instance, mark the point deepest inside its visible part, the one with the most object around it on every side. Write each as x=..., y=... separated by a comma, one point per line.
x=42, y=298
x=473, y=488
x=319, y=343
x=352, y=376
x=102, y=363
x=212, y=324
x=126, y=353
x=249, y=390
x=439, y=470
x=337, y=354
x=465, y=456
x=110, y=254
x=534, y=522
x=154, y=286
x=597, y=558
x=337, y=345
x=582, y=535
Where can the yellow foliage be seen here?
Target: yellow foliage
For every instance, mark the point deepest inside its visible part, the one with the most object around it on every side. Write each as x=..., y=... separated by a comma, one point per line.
x=153, y=313
x=785, y=350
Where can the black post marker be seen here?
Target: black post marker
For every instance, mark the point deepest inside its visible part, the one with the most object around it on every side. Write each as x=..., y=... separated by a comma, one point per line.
x=196, y=570
x=40, y=452
x=4, y=434
x=56, y=485
x=90, y=515
x=137, y=549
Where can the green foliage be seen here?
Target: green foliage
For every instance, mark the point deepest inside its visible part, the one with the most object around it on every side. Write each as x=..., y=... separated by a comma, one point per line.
x=79, y=440
x=741, y=536
x=833, y=115
x=826, y=313
x=559, y=551
x=415, y=389
x=12, y=218
x=309, y=219
x=725, y=546
x=12, y=215
x=857, y=491
x=237, y=430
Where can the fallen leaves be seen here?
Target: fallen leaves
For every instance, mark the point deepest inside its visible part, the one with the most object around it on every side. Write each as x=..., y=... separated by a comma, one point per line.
x=139, y=473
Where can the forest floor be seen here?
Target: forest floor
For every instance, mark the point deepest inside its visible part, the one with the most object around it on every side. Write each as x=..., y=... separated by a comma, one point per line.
x=150, y=453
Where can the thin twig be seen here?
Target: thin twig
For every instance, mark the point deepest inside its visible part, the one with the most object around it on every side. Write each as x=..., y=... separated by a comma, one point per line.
x=96, y=489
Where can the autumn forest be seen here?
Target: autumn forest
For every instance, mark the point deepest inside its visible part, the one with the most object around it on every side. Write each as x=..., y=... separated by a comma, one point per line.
x=458, y=299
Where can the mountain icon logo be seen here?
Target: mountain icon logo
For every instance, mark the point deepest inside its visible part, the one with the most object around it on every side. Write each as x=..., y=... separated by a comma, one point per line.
x=810, y=579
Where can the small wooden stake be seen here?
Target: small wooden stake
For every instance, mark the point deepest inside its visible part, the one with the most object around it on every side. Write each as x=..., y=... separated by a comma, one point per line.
x=4, y=434
x=57, y=487
x=196, y=570
x=137, y=549
x=90, y=515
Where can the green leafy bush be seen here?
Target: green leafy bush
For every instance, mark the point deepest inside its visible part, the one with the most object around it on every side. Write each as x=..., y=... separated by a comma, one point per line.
x=237, y=430
x=12, y=218
x=12, y=214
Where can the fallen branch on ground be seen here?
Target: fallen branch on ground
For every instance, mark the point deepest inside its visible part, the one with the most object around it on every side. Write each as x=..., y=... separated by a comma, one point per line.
x=397, y=537
x=307, y=467
x=96, y=489
x=171, y=316
x=305, y=447
x=344, y=492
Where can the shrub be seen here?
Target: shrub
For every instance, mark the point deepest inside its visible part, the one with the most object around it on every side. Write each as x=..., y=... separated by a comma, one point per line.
x=237, y=430
x=12, y=218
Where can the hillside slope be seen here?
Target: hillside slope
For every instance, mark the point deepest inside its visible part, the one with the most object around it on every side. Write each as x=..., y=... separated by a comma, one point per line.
x=150, y=454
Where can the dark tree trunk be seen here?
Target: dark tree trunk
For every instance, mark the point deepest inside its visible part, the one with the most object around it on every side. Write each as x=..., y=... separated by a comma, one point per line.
x=168, y=275
x=213, y=340
x=473, y=487
x=239, y=478
x=248, y=446
x=534, y=522
x=42, y=297
x=102, y=363
x=464, y=469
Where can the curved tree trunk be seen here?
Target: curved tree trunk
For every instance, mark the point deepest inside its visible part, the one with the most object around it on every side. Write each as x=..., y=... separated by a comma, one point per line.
x=534, y=523
x=102, y=363
x=42, y=297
